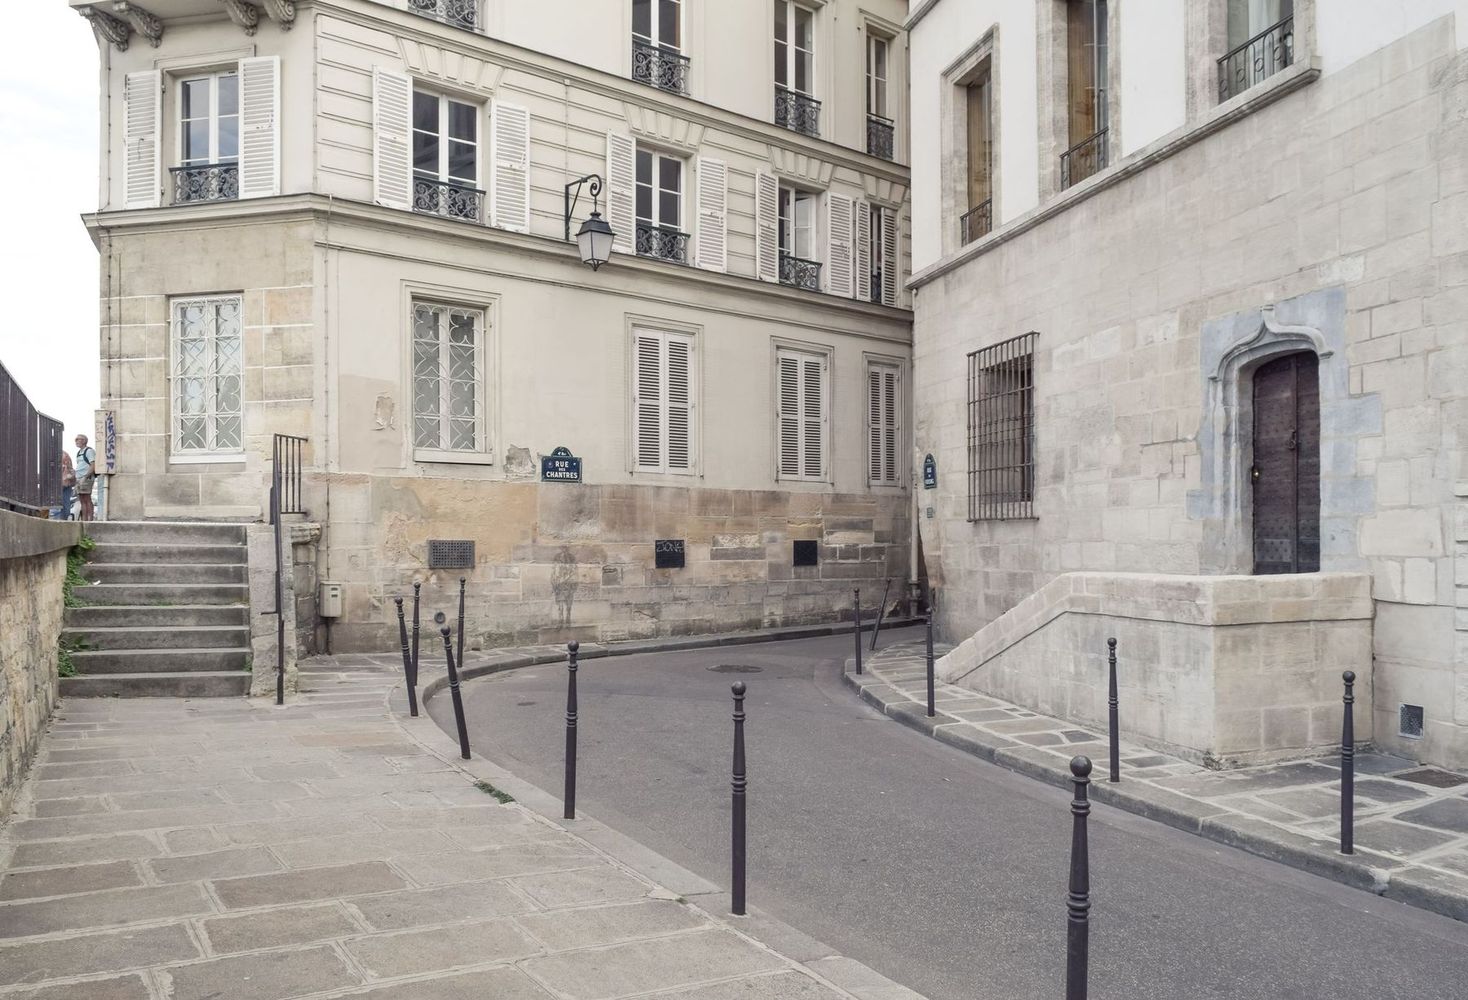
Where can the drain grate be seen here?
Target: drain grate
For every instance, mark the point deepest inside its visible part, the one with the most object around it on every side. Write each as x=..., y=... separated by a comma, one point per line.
x=1409, y=721
x=1434, y=777
x=735, y=668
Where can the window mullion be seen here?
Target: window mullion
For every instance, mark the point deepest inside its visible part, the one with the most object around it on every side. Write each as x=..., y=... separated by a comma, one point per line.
x=443, y=140
x=445, y=390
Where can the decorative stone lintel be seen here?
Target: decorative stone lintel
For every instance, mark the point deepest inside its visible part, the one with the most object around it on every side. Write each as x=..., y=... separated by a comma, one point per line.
x=150, y=26
x=282, y=12
x=245, y=15
x=107, y=27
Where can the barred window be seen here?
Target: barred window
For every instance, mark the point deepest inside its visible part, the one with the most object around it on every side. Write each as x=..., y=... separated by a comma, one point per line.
x=1001, y=430
x=448, y=379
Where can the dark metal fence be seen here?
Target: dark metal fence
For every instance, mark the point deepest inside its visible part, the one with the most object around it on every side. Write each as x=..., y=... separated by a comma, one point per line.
x=1001, y=430
x=659, y=67
x=1257, y=59
x=448, y=198
x=1087, y=157
x=30, y=452
x=800, y=272
x=662, y=242
x=460, y=13
x=797, y=112
x=881, y=136
x=285, y=498
x=977, y=221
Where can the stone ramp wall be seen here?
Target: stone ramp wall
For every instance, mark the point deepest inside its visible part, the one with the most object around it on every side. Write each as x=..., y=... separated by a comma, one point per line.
x=1223, y=670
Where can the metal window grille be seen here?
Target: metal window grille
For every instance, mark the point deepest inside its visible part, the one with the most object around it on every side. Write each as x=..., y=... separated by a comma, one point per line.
x=1409, y=721
x=1001, y=430
x=450, y=553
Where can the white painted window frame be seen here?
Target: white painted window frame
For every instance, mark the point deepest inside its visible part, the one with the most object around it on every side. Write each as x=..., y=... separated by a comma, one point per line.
x=444, y=99
x=658, y=155
x=210, y=454
x=791, y=6
x=886, y=364
x=781, y=348
x=213, y=76
x=483, y=452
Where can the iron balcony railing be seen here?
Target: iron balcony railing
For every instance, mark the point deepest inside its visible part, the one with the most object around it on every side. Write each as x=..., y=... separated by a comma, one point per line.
x=205, y=182
x=977, y=222
x=880, y=136
x=1085, y=158
x=1257, y=59
x=285, y=498
x=659, y=67
x=30, y=452
x=797, y=112
x=448, y=198
x=460, y=13
x=800, y=273
x=662, y=242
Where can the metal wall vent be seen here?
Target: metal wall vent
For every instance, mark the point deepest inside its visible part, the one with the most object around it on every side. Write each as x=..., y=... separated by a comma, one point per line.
x=1409, y=722
x=806, y=553
x=450, y=553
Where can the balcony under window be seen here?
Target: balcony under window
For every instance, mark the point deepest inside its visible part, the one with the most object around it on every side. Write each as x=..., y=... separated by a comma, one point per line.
x=797, y=112
x=446, y=157
x=205, y=182
x=880, y=133
x=450, y=198
x=459, y=13
x=1257, y=59
x=1085, y=158
x=800, y=273
x=659, y=66
x=977, y=222
x=662, y=242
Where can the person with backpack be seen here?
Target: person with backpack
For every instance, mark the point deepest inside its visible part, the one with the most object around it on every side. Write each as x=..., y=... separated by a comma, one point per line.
x=86, y=474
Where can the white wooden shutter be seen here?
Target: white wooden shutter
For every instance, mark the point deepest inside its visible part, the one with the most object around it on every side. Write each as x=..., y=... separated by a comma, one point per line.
x=766, y=227
x=142, y=116
x=889, y=258
x=884, y=423
x=647, y=401
x=800, y=416
x=663, y=403
x=678, y=368
x=509, y=189
x=839, y=240
x=813, y=416
x=863, y=251
x=787, y=415
x=259, y=127
x=392, y=108
x=712, y=193
x=621, y=191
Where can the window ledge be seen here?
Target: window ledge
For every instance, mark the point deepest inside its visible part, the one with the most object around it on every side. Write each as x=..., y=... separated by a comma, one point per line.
x=452, y=457
x=222, y=458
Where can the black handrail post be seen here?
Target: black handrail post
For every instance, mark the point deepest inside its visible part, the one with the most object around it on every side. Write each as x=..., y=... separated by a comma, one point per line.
x=738, y=787
x=1112, y=712
x=407, y=660
x=1078, y=903
x=461, y=622
x=856, y=624
x=571, y=720
x=1348, y=766
x=279, y=581
x=458, y=699
x=932, y=705
x=416, y=588
x=881, y=611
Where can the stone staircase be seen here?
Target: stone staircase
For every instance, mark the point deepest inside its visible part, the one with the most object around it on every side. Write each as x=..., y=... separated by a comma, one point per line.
x=165, y=612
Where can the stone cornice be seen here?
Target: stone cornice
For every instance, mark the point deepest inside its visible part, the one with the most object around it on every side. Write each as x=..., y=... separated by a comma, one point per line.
x=106, y=27
x=247, y=16
x=144, y=23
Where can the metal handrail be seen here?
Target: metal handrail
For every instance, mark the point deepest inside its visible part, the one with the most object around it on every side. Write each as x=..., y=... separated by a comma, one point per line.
x=977, y=222
x=1282, y=53
x=1084, y=159
x=285, y=498
x=659, y=66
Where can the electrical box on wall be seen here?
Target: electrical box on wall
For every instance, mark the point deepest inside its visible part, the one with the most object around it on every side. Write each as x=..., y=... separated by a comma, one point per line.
x=329, y=599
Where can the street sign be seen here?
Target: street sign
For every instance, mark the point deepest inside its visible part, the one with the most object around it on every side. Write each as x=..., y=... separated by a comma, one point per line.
x=930, y=472
x=560, y=466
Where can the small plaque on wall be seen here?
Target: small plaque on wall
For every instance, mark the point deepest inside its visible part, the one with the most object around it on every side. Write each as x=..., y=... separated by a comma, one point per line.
x=806, y=553
x=668, y=553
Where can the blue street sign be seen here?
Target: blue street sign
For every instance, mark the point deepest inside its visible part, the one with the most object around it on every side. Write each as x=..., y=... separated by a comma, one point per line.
x=560, y=466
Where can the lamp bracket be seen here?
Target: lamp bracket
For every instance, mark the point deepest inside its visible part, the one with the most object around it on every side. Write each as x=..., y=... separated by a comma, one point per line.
x=572, y=199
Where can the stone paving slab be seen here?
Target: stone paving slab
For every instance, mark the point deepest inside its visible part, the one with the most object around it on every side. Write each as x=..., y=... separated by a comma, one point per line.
x=190, y=850
x=1411, y=838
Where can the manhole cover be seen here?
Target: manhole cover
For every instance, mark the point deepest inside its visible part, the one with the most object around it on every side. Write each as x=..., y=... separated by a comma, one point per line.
x=1432, y=776
x=735, y=668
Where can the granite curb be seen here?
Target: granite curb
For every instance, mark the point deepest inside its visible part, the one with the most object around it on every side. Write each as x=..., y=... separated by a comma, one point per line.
x=1379, y=874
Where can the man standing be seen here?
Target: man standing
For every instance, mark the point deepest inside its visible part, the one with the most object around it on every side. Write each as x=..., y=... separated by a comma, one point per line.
x=86, y=474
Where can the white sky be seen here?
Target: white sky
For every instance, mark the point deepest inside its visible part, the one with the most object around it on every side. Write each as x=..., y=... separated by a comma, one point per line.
x=48, y=169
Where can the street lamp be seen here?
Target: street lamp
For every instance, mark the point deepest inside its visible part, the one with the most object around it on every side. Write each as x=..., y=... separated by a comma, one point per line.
x=594, y=238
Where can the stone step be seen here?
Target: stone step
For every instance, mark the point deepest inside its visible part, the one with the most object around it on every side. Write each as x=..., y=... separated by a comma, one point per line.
x=161, y=616
x=167, y=532
x=156, y=594
x=158, y=661
x=208, y=684
x=132, y=573
x=152, y=637
x=147, y=552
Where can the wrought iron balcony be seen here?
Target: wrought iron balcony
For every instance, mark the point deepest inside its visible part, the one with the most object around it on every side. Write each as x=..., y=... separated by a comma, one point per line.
x=662, y=242
x=800, y=273
x=453, y=201
x=977, y=221
x=1085, y=158
x=459, y=13
x=1257, y=59
x=659, y=67
x=797, y=112
x=880, y=133
x=205, y=182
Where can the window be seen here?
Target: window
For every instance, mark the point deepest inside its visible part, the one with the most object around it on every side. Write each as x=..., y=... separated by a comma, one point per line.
x=979, y=219
x=662, y=401
x=877, y=216
x=207, y=369
x=880, y=131
x=1087, y=90
x=797, y=235
x=1261, y=42
x=659, y=207
x=884, y=424
x=1001, y=430
x=448, y=381
x=795, y=107
x=208, y=138
x=446, y=157
x=800, y=415
x=657, y=45
x=882, y=225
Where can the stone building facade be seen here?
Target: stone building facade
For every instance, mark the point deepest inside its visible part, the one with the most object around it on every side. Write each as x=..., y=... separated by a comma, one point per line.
x=1140, y=230
x=345, y=220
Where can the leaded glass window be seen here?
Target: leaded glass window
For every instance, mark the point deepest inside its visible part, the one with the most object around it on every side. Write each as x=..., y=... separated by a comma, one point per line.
x=207, y=373
x=448, y=378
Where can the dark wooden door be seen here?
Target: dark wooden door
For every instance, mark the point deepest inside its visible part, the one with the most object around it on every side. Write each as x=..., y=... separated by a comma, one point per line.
x=1286, y=471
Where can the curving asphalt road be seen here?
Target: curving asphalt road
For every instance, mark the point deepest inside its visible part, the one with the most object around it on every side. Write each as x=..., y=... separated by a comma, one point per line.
x=942, y=872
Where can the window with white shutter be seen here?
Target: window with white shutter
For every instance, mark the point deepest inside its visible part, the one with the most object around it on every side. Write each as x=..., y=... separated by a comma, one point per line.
x=889, y=257
x=884, y=423
x=260, y=127
x=208, y=138
x=767, y=227
x=392, y=172
x=510, y=189
x=621, y=189
x=863, y=216
x=142, y=111
x=663, y=401
x=711, y=247
x=801, y=394
x=840, y=240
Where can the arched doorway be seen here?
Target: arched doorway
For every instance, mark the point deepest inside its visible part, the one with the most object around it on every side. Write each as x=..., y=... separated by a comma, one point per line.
x=1286, y=465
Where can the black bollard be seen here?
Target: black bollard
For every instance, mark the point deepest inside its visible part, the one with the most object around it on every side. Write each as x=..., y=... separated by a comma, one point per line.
x=1112, y=705
x=571, y=648
x=458, y=699
x=416, y=588
x=881, y=612
x=856, y=624
x=932, y=707
x=1078, y=903
x=738, y=786
x=461, y=622
x=1348, y=766
x=407, y=661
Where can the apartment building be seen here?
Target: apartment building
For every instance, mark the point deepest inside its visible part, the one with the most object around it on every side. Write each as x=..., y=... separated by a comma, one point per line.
x=354, y=222
x=1191, y=357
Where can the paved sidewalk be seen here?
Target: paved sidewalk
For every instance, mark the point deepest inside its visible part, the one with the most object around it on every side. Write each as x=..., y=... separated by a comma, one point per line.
x=1411, y=821
x=183, y=850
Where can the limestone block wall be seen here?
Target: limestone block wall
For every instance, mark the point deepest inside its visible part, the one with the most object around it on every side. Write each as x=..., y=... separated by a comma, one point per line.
x=32, y=570
x=1225, y=670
